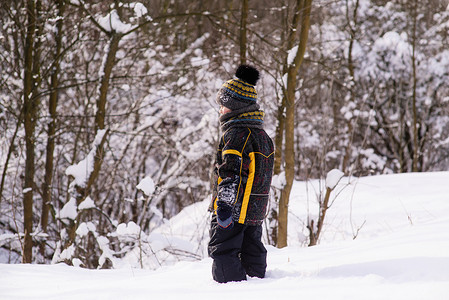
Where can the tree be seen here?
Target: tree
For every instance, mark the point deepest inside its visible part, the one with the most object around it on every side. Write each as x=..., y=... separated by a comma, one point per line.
x=296, y=49
x=52, y=125
x=114, y=33
x=147, y=76
x=315, y=226
x=416, y=147
x=31, y=101
x=243, y=40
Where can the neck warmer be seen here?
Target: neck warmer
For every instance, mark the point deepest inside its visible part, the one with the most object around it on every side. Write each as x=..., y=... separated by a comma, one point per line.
x=250, y=116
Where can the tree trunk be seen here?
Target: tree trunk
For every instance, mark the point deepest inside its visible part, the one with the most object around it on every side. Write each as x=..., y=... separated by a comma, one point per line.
x=415, y=114
x=29, y=114
x=279, y=139
x=243, y=40
x=289, y=172
x=104, y=81
x=278, y=142
x=324, y=205
x=352, y=32
x=81, y=192
x=280, y=124
x=8, y=156
x=302, y=13
x=53, y=102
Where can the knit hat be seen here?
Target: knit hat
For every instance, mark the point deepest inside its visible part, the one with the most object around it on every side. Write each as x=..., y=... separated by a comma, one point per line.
x=240, y=92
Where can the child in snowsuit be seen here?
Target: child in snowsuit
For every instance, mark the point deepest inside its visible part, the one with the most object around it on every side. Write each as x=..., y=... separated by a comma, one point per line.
x=243, y=170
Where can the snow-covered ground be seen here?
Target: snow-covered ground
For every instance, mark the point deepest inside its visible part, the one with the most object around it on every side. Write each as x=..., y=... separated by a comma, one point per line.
x=401, y=251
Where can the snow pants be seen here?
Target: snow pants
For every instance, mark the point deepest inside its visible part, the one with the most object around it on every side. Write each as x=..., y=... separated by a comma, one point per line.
x=236, y=252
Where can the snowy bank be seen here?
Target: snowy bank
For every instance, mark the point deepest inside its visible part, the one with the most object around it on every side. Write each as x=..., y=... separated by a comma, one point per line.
x=401, y=251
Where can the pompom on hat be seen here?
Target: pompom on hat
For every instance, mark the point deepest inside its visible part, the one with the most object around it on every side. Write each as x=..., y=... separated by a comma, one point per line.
x=240, y=92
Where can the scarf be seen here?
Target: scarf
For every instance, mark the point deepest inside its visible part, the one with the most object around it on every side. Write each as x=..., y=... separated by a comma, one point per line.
x=250, y=116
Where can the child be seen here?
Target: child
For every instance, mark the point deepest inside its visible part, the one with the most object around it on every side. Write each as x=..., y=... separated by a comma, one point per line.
x=243, y=170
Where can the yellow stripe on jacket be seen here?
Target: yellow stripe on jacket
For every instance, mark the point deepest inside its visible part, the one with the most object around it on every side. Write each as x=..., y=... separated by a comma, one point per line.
x=215, y=201
x=231, y=151
x=248, y=188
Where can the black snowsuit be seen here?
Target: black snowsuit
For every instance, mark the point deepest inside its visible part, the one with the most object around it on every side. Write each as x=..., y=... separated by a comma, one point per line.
x=243, y=169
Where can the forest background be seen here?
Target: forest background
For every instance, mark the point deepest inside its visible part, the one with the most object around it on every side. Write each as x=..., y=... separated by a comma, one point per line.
x=109, y=123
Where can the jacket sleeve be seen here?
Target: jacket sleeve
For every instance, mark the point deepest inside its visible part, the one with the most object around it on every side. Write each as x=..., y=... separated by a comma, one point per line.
x=230, y=169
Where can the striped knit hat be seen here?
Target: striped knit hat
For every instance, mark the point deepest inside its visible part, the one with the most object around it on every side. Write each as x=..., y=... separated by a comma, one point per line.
x=240, y=92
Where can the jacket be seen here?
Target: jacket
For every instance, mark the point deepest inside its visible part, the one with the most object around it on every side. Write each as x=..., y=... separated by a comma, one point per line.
x=243, y=172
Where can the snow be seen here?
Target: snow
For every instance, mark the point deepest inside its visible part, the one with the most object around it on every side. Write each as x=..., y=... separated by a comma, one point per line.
x=69, y=210
x=401, y=251
x=27, y=190
x=333, y=177
x=390, y=56
x=130, y=229
x=279, y=181
x=67, y=253
x=112, y=22
x=86, y=204
x=140, y=9
x=82, y=170
x=291, y=55
x=146, y=185
x=85, y=228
